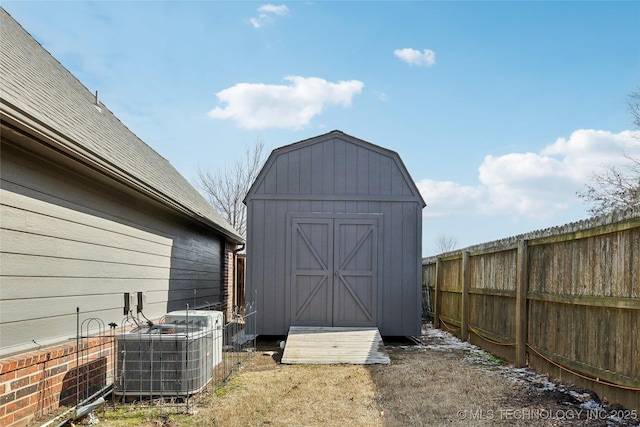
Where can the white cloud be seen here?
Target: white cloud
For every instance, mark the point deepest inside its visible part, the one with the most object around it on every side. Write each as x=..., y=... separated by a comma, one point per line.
x=380, y=96
x=588, y=149
x=532, y=185
x=414, y=57
x=260, y=106
x=277, y=10
x=266, y=14
x=448, y=198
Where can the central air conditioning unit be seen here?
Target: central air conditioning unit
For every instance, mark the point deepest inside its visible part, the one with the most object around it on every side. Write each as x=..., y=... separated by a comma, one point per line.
x=175, y=358
x=205, y=319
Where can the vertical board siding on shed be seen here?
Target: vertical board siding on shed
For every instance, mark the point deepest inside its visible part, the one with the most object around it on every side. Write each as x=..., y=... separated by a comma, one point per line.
x=411, y=241
x=336, y=175
x=328, y=170
x=268, y=247
x=68, y=242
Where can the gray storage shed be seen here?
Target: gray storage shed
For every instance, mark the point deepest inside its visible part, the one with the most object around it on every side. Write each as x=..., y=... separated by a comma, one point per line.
x=334, y=238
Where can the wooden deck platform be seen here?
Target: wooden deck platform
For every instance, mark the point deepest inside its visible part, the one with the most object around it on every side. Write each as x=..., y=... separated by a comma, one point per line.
x=322, y=345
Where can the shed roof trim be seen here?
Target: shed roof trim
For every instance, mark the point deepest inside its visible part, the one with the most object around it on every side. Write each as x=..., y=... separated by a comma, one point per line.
x=350, y=167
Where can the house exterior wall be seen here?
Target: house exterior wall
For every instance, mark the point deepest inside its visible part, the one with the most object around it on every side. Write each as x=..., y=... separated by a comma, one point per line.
x=335, y=175
x=70, y=240
x=88, y=212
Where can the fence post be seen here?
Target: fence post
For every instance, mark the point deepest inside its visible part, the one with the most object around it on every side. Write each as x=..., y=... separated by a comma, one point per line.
x=522, y=283
x=464, y=306
x=436, y=293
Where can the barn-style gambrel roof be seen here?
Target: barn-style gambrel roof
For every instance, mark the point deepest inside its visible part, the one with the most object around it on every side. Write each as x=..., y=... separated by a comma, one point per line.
x=41, y=99
x=338, y=166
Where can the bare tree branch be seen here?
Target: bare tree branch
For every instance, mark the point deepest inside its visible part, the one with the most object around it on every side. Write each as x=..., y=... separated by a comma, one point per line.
x=613, y=189
x=226, y=189
x=445, y=243
x=634, y=107
x=616, y=188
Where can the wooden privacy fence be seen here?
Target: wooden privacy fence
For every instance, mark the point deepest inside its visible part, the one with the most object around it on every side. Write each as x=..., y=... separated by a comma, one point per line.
x=564, y=301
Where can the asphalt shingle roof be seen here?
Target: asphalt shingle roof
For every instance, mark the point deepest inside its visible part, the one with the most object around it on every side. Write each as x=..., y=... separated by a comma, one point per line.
x=34, y=84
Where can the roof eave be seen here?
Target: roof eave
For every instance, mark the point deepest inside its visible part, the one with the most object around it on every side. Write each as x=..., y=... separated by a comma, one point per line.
x=46, y=135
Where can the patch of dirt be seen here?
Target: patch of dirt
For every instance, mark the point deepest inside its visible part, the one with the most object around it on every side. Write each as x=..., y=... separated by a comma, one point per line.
x=468, y=386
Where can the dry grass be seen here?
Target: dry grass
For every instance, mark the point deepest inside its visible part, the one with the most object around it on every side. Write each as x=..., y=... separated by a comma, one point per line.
x=419, y=388
x=264, y=393
x=428, y=385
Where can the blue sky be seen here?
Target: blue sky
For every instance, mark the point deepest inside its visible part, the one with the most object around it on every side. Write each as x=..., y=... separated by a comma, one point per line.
x=500, y=110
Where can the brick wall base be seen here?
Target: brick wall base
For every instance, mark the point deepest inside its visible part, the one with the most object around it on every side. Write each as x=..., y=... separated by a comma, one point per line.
x=35, y=384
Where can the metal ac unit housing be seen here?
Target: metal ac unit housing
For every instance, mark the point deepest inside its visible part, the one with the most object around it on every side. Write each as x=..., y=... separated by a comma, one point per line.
x=174, y=358
x=206, y=319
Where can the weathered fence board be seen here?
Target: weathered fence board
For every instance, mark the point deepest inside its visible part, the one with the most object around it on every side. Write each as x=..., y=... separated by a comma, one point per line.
x=565, y=301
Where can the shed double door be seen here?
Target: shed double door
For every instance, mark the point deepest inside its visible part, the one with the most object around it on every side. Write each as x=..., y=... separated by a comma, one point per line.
x=333, y=271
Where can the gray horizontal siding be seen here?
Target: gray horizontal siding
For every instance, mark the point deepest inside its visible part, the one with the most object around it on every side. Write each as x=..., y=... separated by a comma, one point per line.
x=66, y=241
